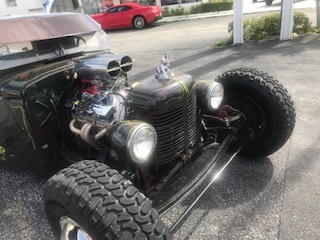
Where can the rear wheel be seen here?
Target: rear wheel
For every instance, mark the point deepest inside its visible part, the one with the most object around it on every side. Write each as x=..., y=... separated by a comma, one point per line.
x=139, y=22
x=269, y=2
x=90, y=200
x=268, y=109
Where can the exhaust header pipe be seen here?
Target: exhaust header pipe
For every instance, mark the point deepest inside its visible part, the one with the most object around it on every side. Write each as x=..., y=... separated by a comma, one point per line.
x=103, y=66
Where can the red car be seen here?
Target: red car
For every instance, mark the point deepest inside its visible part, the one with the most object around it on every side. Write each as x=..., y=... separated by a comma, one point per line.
x=128, y=15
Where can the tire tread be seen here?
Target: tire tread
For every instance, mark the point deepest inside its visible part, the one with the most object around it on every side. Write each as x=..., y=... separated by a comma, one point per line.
x=277, y=95
x=99, y=193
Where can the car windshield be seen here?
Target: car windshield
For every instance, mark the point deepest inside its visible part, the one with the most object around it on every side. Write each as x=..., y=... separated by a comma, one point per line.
x=18, y=54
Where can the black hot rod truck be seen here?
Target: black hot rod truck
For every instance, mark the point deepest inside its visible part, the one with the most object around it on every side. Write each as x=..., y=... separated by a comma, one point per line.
x=65, y=99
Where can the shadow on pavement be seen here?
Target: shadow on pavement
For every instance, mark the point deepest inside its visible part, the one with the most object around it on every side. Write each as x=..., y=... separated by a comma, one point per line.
x=245, y=52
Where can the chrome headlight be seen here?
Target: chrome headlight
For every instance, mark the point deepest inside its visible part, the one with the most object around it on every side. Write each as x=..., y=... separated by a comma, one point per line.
x=142, y=142
x=209, y=95
x=215, y=95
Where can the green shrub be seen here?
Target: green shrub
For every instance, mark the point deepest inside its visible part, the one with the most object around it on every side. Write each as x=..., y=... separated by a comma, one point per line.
x=195, y=9
x=216, y=6
x=223, y=43
x=302, y=24
x=211, y=7
x=270, y=25
x=178, y=11
x=166, y=12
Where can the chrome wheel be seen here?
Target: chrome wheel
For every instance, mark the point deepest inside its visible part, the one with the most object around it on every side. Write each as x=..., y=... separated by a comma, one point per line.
x=139, y=22
x=71, y=230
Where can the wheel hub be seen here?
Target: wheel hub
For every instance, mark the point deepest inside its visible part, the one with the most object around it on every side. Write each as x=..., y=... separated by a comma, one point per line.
x=71, y=230
x=254, y=119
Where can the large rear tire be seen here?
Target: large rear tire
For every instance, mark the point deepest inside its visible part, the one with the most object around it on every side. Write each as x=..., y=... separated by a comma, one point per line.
x=91, y=200
x=268, y=109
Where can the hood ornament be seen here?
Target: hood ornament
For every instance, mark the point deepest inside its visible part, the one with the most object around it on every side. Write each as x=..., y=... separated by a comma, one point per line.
x=163, y=71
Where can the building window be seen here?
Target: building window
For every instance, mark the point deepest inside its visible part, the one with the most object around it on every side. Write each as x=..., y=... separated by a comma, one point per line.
x=11, y=3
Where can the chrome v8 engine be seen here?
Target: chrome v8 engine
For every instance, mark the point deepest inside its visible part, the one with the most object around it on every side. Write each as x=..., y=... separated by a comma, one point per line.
x=103, y=90
x=99, y=98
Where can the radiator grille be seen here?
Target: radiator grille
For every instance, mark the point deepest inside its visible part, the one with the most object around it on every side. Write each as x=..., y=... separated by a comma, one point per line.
x=176, y=129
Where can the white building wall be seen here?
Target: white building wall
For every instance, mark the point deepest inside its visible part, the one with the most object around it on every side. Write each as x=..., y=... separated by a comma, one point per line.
x=20, y=7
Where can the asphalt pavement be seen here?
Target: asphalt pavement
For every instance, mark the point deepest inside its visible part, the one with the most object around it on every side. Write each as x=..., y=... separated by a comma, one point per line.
x=274, y=198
